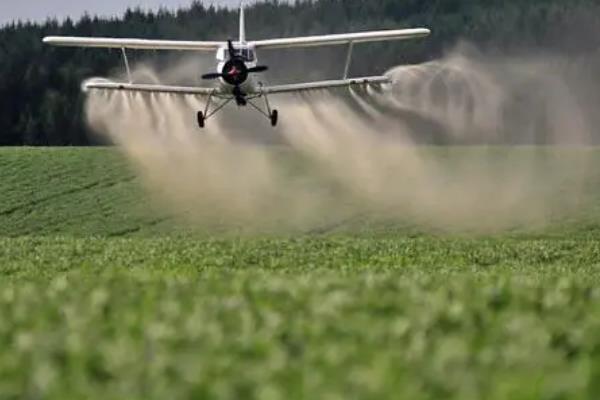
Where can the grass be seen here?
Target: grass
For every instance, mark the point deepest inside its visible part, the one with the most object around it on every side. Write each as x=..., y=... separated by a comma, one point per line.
x=102, y=296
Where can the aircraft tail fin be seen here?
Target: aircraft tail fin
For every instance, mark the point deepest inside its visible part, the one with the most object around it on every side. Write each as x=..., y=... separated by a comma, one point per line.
x=242, y=23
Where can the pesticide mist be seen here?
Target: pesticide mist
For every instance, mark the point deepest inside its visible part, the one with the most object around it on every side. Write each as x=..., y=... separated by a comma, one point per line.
x=454, y=145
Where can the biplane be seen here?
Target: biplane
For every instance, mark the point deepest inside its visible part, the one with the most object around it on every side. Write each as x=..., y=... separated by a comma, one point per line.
x=237, y=66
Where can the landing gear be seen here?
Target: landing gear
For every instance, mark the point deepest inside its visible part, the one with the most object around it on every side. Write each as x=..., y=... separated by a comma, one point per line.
x=272, y=115
x=274, y=118
x=241, y=99
x=203, y=116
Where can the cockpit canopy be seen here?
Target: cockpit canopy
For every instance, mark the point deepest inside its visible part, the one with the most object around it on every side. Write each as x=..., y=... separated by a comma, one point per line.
x=246, y=53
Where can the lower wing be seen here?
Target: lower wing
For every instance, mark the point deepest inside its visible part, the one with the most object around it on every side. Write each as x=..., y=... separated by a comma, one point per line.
x=146, y=88
x=261, y=90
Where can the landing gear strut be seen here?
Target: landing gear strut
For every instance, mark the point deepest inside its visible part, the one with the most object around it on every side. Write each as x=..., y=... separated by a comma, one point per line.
x=208, y=113
x=272, y=115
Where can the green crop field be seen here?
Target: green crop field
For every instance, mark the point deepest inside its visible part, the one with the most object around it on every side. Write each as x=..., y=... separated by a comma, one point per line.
x=105, y=295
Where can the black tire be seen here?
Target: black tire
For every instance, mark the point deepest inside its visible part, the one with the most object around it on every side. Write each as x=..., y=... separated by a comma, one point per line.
x=274, y=118
x=201, y=119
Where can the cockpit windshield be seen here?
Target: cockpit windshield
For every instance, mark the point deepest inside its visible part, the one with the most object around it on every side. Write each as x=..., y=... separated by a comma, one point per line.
x=246, y=54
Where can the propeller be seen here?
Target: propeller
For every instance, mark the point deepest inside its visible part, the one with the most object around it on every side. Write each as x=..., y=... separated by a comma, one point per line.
x=258, y=69
x=231, y=48
x=214, y=75
x=235, y=72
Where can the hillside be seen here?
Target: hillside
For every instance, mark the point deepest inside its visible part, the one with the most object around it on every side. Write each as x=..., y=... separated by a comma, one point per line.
x=70, y=191
x=96, y=192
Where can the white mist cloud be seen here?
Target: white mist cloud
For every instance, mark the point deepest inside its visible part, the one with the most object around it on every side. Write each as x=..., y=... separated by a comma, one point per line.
x=348, y=158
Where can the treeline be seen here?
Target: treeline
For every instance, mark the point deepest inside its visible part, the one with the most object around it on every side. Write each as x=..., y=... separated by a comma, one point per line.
x=41, y=102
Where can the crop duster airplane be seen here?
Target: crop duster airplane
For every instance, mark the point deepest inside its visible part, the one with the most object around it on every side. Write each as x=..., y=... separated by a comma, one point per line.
x=237, y=62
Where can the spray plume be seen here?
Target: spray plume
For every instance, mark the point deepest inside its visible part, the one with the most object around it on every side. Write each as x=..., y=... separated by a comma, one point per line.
x=373, y=153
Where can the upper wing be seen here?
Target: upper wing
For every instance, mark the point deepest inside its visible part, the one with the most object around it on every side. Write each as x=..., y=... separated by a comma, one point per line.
x=301, y=87
x=139, y=44
x=361, y=37
x=306, y=41
x=103, y=84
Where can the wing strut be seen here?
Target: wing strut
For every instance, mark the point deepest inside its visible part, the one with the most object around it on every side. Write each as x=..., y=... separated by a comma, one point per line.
x=126, y=62
x=348, y=60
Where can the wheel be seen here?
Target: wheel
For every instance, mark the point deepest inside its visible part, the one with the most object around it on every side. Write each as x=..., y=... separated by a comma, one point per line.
x=274, y=118
x=201, y=119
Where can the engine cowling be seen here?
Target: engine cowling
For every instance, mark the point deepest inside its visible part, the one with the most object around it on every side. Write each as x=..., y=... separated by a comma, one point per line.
x=235, y=71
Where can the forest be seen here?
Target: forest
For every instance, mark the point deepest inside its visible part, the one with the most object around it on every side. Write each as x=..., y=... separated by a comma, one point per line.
x=41, y=103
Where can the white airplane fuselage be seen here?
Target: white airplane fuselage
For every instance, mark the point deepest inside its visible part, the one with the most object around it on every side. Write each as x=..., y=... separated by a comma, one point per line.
x=244, y=51
x=248, y=53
